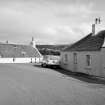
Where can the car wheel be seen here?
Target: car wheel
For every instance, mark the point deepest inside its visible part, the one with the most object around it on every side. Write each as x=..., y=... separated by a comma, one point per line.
x=44, y=65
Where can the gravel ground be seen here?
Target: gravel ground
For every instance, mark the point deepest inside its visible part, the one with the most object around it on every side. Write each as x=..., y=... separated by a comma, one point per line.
x=25, y=84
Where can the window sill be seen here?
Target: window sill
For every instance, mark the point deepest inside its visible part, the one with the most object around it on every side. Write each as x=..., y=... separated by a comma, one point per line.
x=88, y=68
x=65, y=63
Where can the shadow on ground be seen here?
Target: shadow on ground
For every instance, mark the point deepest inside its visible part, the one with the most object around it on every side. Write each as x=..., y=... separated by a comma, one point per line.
x=80, y=76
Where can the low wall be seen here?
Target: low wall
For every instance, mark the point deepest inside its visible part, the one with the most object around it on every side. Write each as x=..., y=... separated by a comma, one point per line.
x=20, y=60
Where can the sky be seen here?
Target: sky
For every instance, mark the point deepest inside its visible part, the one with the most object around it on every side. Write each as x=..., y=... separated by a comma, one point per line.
x=48, y=21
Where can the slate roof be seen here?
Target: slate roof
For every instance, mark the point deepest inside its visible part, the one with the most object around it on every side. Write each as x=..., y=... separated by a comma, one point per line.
x=88, y=43
x=19, y=51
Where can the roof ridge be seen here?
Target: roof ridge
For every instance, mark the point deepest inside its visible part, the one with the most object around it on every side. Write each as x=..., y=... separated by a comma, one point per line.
x=13, y=44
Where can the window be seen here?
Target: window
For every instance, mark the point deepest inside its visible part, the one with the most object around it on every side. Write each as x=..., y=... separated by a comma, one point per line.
x=88, y=60
x=65, y=58
x=75, y=58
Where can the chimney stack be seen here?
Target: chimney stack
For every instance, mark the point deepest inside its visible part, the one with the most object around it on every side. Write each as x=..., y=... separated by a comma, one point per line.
x=33, y=44
x=93, y=29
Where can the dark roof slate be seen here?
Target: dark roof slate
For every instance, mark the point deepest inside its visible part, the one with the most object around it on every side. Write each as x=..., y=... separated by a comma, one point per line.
x=88, y=43
x=19, y=51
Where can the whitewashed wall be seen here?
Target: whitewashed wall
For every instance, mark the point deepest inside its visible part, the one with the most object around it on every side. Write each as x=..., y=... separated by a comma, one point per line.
x=95, y=67
x=103, y=61
x=67, y=65
x=20, y=60
x=96, y=62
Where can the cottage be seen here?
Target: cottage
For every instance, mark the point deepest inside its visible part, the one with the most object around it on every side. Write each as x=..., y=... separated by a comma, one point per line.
x=14, y=53
x=86, y=56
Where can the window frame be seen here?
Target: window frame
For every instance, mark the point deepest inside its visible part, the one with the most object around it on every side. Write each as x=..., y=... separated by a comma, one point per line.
x=88, y=60
x=65, y=58
x=75, y=58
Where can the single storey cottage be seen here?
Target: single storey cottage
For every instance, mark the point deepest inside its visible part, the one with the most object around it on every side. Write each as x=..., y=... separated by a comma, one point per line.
x=86, y=56
x=15, y=53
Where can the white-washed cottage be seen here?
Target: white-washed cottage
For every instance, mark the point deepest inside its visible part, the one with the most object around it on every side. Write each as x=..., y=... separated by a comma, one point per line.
x=87, y=55
x=14, y=53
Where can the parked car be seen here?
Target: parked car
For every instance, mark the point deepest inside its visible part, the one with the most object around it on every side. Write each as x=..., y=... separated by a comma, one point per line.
x=50, y=61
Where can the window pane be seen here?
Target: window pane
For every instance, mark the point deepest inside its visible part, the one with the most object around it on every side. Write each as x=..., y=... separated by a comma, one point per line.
x=66, y=59
x=75, y=58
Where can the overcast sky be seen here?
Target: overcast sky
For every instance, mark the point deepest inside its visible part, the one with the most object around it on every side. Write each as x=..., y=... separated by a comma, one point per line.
x=48, y=21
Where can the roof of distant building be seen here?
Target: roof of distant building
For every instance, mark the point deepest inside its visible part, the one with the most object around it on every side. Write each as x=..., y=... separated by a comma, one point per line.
x=19, y=51
x=88, y=43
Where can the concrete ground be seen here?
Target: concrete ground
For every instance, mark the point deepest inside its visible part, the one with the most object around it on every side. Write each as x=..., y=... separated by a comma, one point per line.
x=26, y=84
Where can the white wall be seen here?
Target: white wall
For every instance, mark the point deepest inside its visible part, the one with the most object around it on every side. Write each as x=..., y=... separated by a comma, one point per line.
x=94, y=69
x=103, y=61
x=67, y=65
x=20, y=60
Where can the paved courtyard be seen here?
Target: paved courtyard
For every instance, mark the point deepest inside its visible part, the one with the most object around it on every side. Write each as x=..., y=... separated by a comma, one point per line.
x=25, y=84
